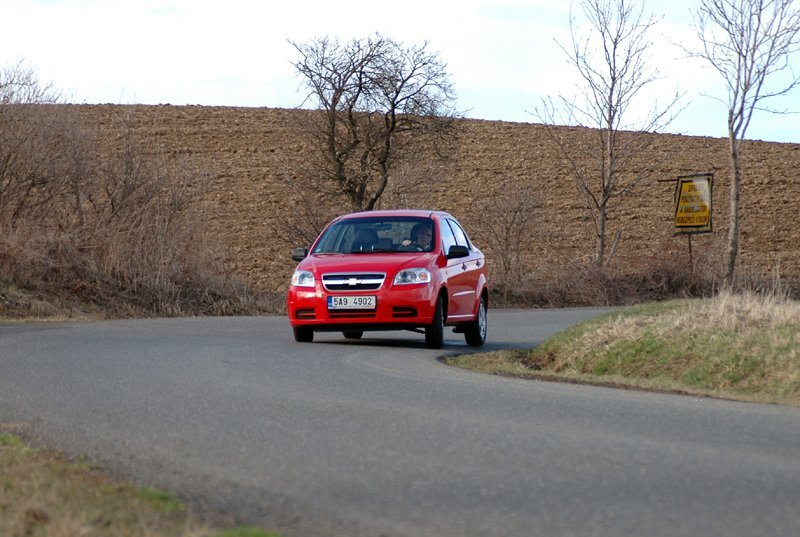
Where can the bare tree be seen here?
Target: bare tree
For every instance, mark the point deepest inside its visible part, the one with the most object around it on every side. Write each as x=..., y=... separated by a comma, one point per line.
x=28, y=141
x=312, y=207
x=379, y=100
x=19, y=85
x=507, y=214
x=611, y=57
x=747, y=42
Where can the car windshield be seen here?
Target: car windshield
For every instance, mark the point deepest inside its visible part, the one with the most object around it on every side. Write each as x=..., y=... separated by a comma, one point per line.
x=377, y=235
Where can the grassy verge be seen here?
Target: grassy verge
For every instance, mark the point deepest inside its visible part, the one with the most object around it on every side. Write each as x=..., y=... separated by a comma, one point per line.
x=43, y=494
x=739, y=346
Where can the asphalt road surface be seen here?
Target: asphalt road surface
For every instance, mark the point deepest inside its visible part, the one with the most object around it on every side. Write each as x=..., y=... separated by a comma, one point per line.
x=378, y=438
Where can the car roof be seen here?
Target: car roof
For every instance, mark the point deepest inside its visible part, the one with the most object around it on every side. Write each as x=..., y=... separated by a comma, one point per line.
x=419, y=213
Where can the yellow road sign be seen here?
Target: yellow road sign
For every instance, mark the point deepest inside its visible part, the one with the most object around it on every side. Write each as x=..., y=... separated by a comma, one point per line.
x=693, y=204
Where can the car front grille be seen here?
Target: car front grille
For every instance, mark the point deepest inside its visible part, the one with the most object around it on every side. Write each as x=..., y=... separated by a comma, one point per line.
x=353, y=281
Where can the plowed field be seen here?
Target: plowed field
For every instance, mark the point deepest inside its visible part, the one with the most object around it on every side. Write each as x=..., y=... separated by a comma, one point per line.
x=254, y=156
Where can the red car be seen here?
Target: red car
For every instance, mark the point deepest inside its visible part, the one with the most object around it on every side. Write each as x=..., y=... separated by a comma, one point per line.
x=390, y=270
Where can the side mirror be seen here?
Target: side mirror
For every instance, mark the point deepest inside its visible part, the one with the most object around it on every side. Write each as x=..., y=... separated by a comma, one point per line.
x=457, y=251
x=298, y=254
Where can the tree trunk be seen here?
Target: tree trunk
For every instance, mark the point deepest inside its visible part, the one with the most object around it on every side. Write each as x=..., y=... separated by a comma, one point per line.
x=600, y=253
x=608, y=171
x=733, y=219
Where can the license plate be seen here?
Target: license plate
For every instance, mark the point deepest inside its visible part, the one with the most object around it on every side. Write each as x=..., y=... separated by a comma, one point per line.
x=351, y=302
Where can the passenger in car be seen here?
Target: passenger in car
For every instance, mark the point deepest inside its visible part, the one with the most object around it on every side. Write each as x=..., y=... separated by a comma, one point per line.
x=365, y=240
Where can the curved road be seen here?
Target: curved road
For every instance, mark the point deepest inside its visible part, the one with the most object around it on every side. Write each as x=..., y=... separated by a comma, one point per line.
x=378, y=438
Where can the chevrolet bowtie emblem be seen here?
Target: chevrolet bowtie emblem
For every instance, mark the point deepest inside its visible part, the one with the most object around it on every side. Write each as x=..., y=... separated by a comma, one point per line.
x=352, y=282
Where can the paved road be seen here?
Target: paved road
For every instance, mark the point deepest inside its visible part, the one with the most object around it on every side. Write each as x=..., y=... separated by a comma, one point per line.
x=378, y=438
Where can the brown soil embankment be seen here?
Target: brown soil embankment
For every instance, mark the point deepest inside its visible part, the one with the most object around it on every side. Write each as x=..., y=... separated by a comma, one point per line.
x=253, y=156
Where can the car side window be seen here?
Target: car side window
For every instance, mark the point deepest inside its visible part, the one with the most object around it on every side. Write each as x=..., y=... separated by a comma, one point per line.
x=461, y=237
x=448, y=239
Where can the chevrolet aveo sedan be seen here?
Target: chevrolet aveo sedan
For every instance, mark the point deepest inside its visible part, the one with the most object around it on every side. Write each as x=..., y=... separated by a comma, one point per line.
x=390, y=270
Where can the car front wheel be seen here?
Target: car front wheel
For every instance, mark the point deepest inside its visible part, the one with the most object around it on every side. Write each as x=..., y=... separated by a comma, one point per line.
x=303, y=334
x=352, y=334
x=475, y=332
x=434, y=333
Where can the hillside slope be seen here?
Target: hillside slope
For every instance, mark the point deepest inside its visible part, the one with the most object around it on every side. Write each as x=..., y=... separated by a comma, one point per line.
x=255, y=155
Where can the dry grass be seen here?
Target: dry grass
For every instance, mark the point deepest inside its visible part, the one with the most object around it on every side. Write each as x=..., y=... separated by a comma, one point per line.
x=580, y=285
x=40, y=492
x=736, y=345
x=43, y=494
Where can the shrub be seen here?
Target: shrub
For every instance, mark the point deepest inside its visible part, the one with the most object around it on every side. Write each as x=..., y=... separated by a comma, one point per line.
x=116, y=234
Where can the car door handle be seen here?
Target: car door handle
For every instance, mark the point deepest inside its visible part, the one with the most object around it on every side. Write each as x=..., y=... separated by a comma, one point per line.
x=463, y=266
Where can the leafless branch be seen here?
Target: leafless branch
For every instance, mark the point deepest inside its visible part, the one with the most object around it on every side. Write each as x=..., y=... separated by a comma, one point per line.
x=749, y=43
x=611, y=58
x=378, y=100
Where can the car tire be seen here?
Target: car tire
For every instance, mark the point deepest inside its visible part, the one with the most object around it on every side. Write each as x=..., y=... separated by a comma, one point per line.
x=475, y=332
x=352, y=334
x=303, y=334
x=434, y=333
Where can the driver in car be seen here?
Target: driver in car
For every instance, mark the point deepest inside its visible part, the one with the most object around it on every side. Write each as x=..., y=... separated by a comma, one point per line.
x=421, y=236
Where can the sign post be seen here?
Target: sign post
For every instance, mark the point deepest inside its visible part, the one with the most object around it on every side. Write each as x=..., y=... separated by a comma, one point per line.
x=693, y=207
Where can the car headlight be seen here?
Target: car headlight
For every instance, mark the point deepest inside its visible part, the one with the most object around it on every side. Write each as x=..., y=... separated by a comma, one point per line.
x=303, y=278
x=414, y=275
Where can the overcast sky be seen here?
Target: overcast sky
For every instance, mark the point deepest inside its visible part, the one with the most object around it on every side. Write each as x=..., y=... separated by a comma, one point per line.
x=502, y=55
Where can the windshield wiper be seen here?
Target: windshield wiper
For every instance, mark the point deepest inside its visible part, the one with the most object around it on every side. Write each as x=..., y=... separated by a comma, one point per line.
x=374, y=251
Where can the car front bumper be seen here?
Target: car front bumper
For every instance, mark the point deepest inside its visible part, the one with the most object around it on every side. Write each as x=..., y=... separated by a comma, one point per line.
x=397, y=307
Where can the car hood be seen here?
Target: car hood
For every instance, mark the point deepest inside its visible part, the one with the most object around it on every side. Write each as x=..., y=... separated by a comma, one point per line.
x=389, y=263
